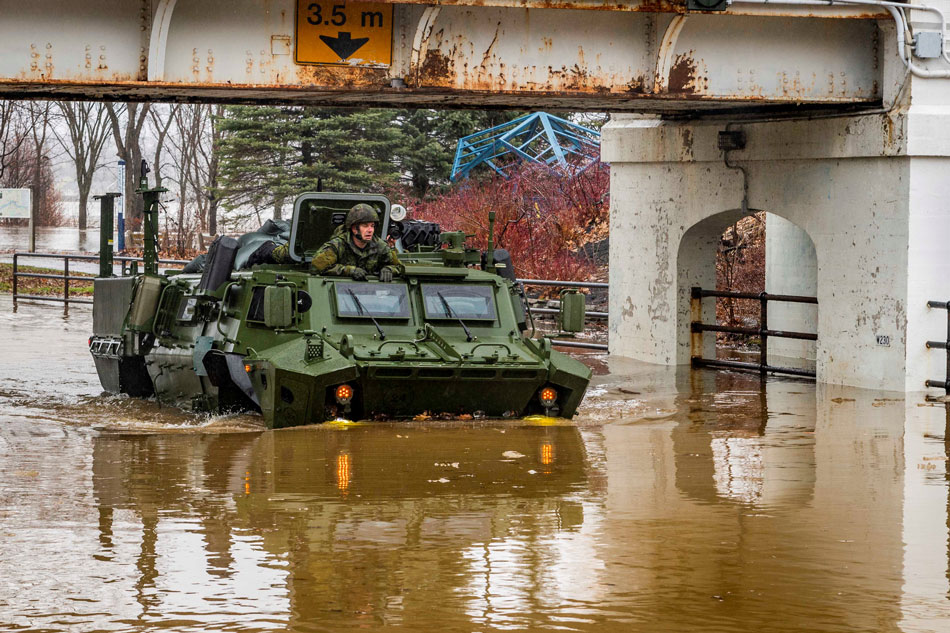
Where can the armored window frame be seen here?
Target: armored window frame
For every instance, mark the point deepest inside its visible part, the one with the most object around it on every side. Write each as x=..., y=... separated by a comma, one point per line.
x=255, y=308
x=360, y=288
x=430, y=299
x=332, y=208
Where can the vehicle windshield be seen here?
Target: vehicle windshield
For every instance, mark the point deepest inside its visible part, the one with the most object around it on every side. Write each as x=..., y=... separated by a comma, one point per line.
x=450, y=301
x=365, y=300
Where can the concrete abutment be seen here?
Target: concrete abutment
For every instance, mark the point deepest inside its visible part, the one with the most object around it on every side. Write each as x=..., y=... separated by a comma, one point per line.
x=869, y=194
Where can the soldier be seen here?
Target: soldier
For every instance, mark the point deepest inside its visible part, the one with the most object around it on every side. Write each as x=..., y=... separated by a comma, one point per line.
x=356, y=251
x=353, y=250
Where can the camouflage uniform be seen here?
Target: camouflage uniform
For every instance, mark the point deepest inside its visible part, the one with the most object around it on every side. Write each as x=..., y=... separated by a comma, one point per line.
x=281, y=254
x=340, y=256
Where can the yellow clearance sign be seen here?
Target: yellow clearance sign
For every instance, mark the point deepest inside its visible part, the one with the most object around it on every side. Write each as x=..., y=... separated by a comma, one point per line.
x=347, y=33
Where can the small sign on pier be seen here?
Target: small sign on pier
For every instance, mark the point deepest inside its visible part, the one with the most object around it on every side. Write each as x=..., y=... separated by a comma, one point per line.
x=14, y=203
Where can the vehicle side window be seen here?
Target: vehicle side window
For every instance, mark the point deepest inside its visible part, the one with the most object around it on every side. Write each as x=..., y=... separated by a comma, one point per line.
x=255, y=312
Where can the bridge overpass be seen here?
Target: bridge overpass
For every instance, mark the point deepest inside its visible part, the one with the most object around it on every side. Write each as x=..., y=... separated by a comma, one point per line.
x=840, y=111
x=619, y=55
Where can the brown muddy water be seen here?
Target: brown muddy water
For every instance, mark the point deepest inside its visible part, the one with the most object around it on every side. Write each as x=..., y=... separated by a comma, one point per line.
x=673, y=502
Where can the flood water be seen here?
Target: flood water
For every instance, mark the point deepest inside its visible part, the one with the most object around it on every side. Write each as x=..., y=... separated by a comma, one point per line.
x=56, y=239
x=674, y=501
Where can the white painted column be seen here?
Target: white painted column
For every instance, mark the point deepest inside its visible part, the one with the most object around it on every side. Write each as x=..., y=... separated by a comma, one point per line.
x=791, y=268
x=928, y=255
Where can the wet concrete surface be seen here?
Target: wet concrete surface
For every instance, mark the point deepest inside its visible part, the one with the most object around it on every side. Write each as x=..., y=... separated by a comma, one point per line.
x=674, y=501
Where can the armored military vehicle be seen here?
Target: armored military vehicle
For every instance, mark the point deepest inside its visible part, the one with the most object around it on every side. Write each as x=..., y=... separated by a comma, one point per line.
x=449, y=336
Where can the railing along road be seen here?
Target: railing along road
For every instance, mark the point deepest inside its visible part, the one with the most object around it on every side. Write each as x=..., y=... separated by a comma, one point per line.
x=65, y=276
x=697, y=327
x=945, y=345
x=588, y=315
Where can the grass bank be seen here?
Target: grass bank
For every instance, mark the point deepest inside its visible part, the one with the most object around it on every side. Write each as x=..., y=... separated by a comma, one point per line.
x=37, y=286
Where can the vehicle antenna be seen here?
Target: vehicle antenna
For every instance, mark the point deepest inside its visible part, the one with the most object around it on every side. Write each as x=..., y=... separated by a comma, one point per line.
x=490, y=253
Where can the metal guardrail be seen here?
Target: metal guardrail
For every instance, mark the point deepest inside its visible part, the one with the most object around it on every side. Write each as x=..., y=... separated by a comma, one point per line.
x=697, y=328
x=65, y=277
x=945, y=345
x=589, y=314
x=563, y=284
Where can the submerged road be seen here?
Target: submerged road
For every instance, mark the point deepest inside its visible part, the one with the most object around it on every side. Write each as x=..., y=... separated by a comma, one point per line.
x=674, y=501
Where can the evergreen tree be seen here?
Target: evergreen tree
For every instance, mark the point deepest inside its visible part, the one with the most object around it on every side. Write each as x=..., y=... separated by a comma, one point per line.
x=253, y=151
x=270, y=154
x=431, y=137
x=351, y=150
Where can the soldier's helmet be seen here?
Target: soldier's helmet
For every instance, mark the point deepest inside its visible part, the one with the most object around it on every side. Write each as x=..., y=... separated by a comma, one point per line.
x=360, y=213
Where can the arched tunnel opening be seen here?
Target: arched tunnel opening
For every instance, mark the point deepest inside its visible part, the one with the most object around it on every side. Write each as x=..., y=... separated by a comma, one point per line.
x=747, y=254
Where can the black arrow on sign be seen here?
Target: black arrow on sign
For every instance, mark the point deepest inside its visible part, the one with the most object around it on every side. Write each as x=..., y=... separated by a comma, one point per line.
x=343, y=45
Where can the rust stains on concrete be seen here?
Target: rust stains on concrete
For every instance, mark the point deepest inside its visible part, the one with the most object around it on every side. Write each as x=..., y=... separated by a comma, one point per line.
x=437, y=68
x=683, y=76
x=341, y=76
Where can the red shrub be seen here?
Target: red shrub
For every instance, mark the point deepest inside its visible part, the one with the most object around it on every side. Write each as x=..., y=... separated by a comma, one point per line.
x=542, y=217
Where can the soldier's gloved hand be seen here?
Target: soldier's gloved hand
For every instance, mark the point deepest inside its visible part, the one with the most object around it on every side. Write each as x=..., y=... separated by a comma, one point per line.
x=358, y=274
x=386, y=274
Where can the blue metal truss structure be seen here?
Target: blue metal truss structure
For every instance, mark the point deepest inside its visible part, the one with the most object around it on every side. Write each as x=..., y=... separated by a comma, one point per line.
x=539, y=138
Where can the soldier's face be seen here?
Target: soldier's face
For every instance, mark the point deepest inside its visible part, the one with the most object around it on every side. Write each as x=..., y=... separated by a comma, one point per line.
x=364, y=231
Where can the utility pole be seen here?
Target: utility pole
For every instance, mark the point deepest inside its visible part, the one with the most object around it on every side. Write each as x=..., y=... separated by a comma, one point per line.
x=121, y=219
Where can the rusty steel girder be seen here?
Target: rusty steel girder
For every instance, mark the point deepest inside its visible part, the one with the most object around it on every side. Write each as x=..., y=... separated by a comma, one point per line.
x=647, y=56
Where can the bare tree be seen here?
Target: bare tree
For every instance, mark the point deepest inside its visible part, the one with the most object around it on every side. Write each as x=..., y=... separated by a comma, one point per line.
x=205, y=168
x=161, y=119
x=25, y=161
x=12, y=133
x=192, y=143
x=186, y=136
x=87, y=128
x=39, y=113
x=127, y=121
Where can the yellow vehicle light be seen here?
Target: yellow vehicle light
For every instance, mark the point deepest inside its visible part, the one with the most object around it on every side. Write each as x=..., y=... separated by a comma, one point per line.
x=344, y=393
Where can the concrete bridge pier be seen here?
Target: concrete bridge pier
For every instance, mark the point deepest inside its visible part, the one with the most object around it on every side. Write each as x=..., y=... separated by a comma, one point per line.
x=791, y=268
x=869, y=193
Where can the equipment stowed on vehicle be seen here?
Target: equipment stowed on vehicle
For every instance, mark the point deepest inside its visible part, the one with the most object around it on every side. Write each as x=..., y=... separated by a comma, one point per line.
x=447, y=336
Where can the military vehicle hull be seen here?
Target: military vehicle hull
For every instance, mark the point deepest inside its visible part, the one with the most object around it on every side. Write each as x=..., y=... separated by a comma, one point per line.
x=302, y=348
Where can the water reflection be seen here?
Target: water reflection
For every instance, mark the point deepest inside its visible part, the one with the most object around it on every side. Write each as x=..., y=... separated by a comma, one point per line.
x=675, y=501
x=785, y=496
x=368, y=522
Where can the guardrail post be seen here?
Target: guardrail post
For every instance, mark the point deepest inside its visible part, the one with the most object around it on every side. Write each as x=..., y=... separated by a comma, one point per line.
x=14, y=280
x=763, y=332
x=66, y=285
x=946, y=384
x=106, y=213
x=696, y=318
x=944, y=345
